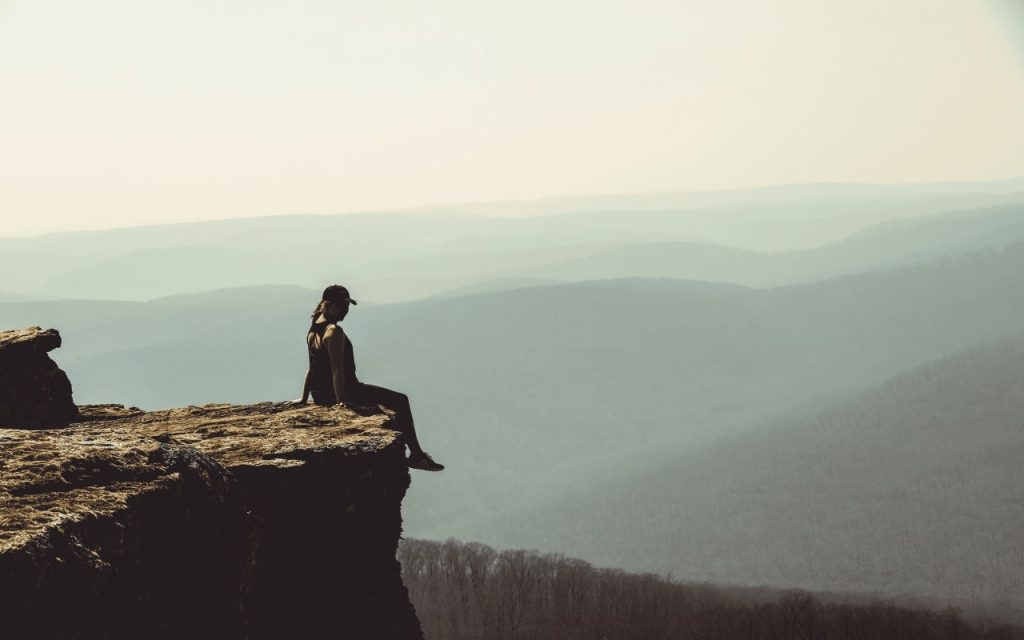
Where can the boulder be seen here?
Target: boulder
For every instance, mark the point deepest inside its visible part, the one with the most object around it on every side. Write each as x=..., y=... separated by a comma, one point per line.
x=34, y=392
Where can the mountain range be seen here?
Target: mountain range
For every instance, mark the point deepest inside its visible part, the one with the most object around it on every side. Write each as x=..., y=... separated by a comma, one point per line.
x=838, y=417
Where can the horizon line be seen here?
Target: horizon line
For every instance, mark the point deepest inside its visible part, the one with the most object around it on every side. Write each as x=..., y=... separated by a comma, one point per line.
x=440, y=206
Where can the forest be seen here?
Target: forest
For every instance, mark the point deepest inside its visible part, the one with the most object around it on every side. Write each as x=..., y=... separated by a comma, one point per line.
x=469, y=591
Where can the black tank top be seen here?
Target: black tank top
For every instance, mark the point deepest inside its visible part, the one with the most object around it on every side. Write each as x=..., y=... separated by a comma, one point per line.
x=321, y=384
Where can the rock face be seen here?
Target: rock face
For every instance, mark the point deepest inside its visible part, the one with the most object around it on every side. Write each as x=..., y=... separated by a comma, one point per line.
x=34, y=392
x=221, y=521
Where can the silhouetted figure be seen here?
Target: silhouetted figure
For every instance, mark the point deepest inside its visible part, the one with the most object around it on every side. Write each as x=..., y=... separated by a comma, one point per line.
x=332, y=373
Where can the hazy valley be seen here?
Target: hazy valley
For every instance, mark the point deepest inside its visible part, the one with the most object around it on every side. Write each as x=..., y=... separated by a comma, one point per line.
x=836, y=417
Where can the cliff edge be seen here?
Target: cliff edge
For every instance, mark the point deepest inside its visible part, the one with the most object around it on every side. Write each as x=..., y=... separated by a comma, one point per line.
x=221, y=521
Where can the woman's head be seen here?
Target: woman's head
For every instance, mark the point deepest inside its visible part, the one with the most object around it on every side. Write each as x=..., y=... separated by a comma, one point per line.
x=334, y=303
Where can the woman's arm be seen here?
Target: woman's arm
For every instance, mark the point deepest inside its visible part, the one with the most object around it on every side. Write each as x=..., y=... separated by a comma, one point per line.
x=305, y=387
x=334, y=338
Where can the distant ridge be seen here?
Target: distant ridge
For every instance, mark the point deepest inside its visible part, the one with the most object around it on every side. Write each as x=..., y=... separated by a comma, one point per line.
x=643, y=200
x=730, y=197
x=401, y=257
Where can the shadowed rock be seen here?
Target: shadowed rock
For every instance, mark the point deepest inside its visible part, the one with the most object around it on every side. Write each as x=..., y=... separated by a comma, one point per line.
x=34, y=392
x=221, y=521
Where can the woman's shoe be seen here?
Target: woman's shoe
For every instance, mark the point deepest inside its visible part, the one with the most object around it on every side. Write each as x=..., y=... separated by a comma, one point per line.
x=424, y=462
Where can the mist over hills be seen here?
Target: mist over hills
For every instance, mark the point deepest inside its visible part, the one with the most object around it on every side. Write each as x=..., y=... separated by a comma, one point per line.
x=911, y=487
x=778, y=196
x=911, y=314
x=886, y=245
x=696, y=365
x=239, y=345
x=405, y=256
x=156, y=272
x=536, y=394
x=559, y=366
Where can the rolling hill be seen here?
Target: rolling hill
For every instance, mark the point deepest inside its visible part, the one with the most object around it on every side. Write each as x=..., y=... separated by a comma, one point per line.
x=533, y=395
x=405, y=256
x=504, y=383
x=909, y=488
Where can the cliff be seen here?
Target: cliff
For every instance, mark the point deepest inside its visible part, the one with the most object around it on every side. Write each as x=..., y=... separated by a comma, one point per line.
x=222, y=521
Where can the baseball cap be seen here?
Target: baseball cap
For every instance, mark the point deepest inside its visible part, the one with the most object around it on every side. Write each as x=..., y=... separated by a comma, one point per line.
x=338, y=294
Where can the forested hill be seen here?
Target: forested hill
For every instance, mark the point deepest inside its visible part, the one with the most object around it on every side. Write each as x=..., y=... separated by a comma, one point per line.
x=911, y=487
x=472, y=592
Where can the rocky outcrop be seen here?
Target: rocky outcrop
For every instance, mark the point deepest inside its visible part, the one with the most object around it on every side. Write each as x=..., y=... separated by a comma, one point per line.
x=34, y=392
x=221, y=521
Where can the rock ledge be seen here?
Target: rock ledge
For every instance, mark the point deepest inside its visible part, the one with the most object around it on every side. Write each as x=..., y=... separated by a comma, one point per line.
x=95, y=467
x=218, y=521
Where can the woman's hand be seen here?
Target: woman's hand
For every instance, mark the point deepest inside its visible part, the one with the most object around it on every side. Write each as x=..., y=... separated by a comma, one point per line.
x=305, y=387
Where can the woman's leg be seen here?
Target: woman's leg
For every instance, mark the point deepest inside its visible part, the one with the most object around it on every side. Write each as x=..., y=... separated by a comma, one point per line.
x=396, y=401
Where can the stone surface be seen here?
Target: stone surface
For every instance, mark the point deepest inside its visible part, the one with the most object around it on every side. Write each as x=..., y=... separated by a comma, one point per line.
x=31, y=338
x=221, y=521
x=34, y=392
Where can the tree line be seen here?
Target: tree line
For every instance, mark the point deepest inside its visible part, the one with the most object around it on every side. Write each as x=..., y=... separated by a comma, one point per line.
x=469, y=591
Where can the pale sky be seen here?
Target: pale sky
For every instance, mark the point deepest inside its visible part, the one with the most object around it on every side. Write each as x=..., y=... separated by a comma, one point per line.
x=126, y=112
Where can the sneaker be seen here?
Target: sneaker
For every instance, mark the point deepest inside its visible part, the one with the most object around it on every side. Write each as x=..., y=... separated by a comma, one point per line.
x=424, y=462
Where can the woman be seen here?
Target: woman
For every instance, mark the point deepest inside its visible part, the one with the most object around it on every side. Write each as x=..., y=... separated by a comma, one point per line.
x=331, y=377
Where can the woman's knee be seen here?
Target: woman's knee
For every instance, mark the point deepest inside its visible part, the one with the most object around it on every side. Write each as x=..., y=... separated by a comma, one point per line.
x=388, y=398
x=394, y=397
x=399, y=402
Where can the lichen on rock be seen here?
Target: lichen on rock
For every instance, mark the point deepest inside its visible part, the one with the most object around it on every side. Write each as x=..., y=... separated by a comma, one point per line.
x=221, y=521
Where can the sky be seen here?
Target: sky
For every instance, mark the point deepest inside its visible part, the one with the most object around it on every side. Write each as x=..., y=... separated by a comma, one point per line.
x=120, y=112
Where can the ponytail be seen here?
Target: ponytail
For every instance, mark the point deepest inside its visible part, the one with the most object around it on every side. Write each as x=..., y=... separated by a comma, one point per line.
x=316, y=312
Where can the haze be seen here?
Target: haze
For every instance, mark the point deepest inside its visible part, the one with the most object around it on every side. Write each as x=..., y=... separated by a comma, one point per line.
x=118, y=113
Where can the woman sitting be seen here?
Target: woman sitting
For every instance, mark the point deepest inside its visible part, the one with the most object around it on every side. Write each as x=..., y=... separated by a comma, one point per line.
x=332, y=374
